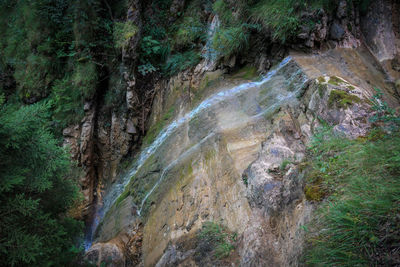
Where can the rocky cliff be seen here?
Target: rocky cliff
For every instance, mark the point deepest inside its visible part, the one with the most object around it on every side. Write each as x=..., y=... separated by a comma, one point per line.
x=225, y=146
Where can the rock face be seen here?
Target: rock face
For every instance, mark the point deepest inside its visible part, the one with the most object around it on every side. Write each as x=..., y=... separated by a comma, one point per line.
x=105, y=135
x=79, y=139
x=98, y=144
x=336, y=31
x=235, y=159
x=380, y=27
x=231, y=149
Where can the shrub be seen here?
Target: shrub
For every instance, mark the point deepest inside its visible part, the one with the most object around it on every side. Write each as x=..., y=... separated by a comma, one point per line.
x=180, y=61
x=283, y=17
x=189, y=31
x=85, y=79
x=231, y=40
x=152, y=53
x=115, y=95
x=67, y=102
x=279, y=16
x=34, y=77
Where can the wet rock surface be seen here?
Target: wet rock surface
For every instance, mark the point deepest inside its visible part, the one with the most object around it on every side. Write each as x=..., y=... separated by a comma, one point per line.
x=236, y=161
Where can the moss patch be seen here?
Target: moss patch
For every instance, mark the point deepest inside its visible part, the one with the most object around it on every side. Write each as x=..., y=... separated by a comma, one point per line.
x=248, y=72
x=321, y=79
x=208, y=82
x=124, y=195
x=342, y=99
x=322, y=89
x=158, y=126
x=335, y=80
x=313, y=193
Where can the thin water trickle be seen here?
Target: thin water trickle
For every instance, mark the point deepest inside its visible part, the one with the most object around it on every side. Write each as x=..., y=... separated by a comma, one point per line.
x=119, y=186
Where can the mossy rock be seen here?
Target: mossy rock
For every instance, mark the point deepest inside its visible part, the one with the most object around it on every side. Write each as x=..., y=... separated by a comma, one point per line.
x=322, y=89
x=248, y=72
x=314, y=192
x=335, y=80
x=342, y=99
x=321, y=79
x=155, y=129
x=123, y=196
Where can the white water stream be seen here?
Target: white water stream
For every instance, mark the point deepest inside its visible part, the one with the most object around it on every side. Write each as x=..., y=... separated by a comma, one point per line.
x=119, y=186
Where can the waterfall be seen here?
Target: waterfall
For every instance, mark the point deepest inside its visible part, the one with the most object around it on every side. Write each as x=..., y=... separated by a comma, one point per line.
x=208, y=53
x=118, y=187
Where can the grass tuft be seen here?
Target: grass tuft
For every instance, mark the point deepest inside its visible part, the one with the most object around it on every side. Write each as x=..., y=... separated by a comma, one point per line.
x=358, y=223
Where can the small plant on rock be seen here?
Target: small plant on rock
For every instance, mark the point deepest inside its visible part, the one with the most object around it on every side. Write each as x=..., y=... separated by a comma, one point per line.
x=218, y=238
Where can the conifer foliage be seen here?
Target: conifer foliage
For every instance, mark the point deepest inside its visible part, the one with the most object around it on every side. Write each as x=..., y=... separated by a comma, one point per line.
x=36, y=190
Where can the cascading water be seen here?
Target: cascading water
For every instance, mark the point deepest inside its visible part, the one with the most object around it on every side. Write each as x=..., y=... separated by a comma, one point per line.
x=118, y=187
x=208, y=53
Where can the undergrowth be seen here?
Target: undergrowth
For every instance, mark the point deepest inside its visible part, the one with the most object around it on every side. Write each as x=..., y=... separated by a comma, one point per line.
x=219, y=240
x=358, y=223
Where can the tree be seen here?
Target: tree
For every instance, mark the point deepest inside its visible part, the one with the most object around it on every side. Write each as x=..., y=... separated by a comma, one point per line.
x=36, y=190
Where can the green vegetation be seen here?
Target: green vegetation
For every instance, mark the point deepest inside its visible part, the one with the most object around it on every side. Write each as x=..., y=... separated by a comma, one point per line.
x=359, y=219
x=282, y=16
x=123, y=32
x=248, y=72
x=335, y=80
x=158, y=126
x=357, y=224
x=36, y=190
x=122, y=197
x=233, y=35
x=55, y=55
x=171, y=47
x=284, y=164
x=322, y=89
x=342, y=99
x=180, y=62
x=245, y=179
x=383, y=112
x=60, y=50
x=190, y=28
x=220, y=240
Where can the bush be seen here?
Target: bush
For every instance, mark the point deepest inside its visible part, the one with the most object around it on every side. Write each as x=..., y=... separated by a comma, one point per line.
x=190, y=30
x=180, y=61
x=279, y=16
x=85, y=79
x=115, y=95
x=34, y=76
x=283, y=17
x=67, y=102
x=231, y=40
x=152, y=53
